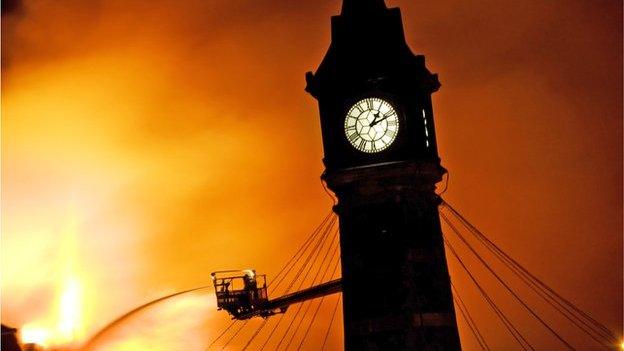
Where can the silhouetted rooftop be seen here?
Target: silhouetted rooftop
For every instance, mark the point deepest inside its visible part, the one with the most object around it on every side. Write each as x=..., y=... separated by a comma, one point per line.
x=362, y=7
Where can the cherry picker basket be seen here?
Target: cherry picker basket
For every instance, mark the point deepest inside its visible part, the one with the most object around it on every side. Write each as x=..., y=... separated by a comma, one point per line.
x=240, y=292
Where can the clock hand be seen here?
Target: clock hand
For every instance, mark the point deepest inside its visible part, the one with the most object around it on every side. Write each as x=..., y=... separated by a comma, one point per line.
x=375, y=121
x=376, y=114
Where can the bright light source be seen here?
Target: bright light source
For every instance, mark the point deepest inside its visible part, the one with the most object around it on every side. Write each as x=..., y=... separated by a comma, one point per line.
x=34, y=335
x=622, y=345
x=69, y=309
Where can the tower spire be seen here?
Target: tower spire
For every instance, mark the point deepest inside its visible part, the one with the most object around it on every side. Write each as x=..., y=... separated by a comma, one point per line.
x=358, y=7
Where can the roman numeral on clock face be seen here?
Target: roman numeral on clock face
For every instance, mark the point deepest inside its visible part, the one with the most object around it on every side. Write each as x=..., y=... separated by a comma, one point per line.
x=353, y=137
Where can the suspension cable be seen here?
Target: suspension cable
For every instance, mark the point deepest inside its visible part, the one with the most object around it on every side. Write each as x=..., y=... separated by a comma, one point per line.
x=463, y=309
x=470, y=326
x=271, y=333
x=221, y=334
x=264, y=322
x=300, y=305
x=547, y=293
x=316, y=250
x=305, y=312
x=331, y=321
x=506, y=322
x=480, y=234
x=335, y=241
x=234, y=335
x=318, y=307
x=506, y=286
x=304, y=245
x=550, y=300
x=316, y=231
x=300, y=252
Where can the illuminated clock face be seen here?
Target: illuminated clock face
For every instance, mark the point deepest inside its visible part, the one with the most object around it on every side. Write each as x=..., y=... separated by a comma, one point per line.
x=371, y=125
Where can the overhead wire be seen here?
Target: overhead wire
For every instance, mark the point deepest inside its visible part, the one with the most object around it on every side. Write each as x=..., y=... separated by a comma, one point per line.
x=221, y=334
x=304, y=245
x=264, y=322
x=507, y=287
x=568, y=306
x=266, y=341
x=331, y=321
x=318, y=307
x=475, y=231
x=550, y=300
x=297, y=276
x=309, y=303
x=515, y=333
x=463, y=309
x=300, y=252
x=316, y=251
x=575, y=315
x=305, y=312
x=299, y=307
x=471, y=327
x=234, y=335
x=336, y=242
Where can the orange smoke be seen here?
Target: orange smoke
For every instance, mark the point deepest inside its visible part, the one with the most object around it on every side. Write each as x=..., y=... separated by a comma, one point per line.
x=148, y=143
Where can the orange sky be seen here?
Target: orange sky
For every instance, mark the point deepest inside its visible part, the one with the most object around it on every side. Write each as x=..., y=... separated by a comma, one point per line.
x=148, y=143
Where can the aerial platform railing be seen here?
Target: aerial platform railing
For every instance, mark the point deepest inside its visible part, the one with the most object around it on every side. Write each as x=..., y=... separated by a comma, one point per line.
x=240, y=292
x=243, y=294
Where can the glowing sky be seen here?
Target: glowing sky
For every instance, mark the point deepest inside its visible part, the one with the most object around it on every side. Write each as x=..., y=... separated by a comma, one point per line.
x=148, y=143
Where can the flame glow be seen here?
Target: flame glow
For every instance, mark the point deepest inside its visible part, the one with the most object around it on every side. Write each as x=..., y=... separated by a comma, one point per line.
x=61, y=328
x=35, y=335
x=69, y=310
x=69, y=289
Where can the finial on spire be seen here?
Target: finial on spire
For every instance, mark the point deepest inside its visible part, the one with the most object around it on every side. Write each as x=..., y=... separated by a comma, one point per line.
x=358, y=7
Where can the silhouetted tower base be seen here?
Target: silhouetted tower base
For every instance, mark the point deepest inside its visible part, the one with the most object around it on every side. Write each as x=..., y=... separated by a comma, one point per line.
x=396, y=286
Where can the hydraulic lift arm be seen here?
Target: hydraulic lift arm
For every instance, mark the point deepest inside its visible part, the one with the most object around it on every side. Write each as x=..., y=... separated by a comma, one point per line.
x=282, y=303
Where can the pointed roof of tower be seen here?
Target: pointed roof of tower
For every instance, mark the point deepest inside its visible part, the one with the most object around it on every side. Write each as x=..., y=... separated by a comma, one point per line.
x=345, y=71
x=360, y=7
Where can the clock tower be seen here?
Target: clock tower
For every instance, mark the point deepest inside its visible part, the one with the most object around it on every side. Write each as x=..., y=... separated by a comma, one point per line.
x=382, y=163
